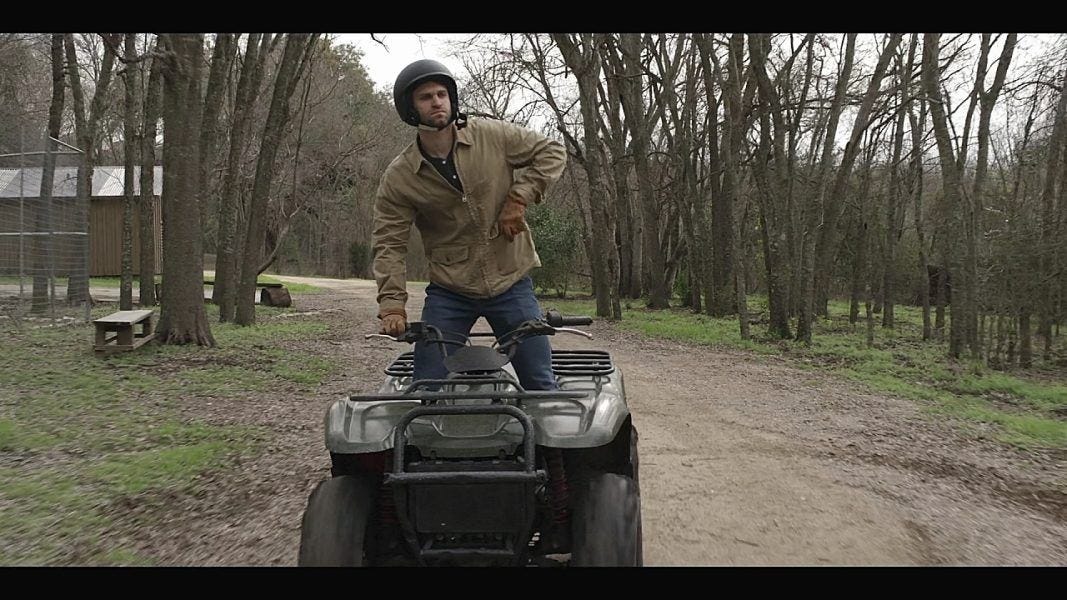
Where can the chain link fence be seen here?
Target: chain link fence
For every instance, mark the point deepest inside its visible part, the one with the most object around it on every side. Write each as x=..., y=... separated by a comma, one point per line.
x=44, y=243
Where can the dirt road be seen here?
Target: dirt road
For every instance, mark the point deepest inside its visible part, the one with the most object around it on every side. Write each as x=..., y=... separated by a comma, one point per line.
x=744, y=460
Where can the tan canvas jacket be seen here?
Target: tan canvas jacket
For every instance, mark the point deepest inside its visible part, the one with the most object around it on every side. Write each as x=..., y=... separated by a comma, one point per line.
x=466, y=251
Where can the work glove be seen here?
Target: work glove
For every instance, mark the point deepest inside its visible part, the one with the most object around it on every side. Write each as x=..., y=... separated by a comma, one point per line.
x=394, y=324
x=512, y=221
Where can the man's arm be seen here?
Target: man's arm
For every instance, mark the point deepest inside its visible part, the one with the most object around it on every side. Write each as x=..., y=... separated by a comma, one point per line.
x=392, y=226
x=543, y=160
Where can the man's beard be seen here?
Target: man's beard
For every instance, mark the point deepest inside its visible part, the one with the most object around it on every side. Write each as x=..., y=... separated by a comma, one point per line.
x=438, y=121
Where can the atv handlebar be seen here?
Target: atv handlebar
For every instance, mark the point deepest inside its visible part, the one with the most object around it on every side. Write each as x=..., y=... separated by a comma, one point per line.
x=551, y=323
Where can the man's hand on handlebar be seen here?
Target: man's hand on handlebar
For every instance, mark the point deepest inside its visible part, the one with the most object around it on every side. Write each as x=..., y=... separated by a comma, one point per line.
x=394, y=324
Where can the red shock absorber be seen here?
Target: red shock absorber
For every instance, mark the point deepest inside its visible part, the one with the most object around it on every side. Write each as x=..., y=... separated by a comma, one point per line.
x=558, y=492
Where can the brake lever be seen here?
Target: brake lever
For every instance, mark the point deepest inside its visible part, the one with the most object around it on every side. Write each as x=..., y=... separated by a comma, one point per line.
x=575, y=331
x=379, y=335
x=407, y=337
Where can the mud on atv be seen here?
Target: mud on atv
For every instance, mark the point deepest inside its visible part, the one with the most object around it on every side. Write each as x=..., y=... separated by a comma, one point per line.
x=475, y=470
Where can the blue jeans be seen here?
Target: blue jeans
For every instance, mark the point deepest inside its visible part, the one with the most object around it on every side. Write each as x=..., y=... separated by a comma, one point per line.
x=455, y=314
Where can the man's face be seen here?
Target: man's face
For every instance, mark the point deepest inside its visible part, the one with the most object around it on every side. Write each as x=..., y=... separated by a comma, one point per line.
x=432, y=103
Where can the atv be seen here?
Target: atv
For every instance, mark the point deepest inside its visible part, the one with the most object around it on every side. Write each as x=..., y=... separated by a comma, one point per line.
x=474, y=470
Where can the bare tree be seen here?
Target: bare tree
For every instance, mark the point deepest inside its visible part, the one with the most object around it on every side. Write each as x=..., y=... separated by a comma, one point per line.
x=224, y=292
x=43, y=244
x=1047, y=267
x=770, y=168
x=131, y=142
x=918, y=124
x=87, y=132
x=722, y=191
x=950, y=173
x=580, y=55
x=628, y=50
x=298, y=48
x=148, y=163
x=815, y=212
x=894, y=206
x=221, y=59
x=820, y=256
x=615, y=130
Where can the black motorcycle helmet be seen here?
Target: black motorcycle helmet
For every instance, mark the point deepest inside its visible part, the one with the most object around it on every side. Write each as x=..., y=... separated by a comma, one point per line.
x=419, y=72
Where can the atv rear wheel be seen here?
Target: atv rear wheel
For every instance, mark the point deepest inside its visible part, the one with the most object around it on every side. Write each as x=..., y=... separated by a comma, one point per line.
x=606, y=523
x=335, y=522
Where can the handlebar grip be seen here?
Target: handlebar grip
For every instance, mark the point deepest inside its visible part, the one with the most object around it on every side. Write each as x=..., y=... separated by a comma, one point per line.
x=555, y=319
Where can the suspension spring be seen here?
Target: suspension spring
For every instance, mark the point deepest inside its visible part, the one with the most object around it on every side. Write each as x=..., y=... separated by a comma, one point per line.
x=558, y=491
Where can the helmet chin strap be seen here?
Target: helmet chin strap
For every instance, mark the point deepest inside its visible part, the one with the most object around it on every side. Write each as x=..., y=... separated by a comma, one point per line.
x=425, y=127
x=460, y=121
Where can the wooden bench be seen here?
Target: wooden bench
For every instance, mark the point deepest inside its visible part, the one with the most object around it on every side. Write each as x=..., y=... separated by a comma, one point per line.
x=270, y=294
x=121, y=324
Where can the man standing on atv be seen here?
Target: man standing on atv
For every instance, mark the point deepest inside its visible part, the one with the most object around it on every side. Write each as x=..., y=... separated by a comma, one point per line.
x=456, y=183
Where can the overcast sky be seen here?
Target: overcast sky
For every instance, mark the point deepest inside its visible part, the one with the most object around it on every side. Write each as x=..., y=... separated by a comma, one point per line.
x=383, y=64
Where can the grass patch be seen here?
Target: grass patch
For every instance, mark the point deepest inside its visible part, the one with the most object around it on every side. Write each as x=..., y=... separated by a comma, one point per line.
x=79, y=433
x=1025, y=410
x=15, y=437
x=163, y=467
x=296, y=288
x=301, y=288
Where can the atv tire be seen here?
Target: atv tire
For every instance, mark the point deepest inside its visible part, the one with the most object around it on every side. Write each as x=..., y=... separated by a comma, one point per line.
x=332, y=532
x=606, y=523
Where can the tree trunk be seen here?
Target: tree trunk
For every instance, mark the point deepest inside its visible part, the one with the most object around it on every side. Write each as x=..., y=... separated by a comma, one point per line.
x=627, y=242
x=633, y=105
x=1047, y=266
x=988, y=99
x=221, y=59
x=722, y=300
x=148, y=183
x=586, y=68
x=894, y=218
x=294, y=58
x=861, y=272
x=961, y=284
x=916, y=179
x=182, y=319
x=770, y=168
x=86, y=131
x=818, y=261
x=730, y=193
x=44, y=244
x=1026, y=352
x=224, y=292
x=131, y=141
x=812, y=225
x=870, y=314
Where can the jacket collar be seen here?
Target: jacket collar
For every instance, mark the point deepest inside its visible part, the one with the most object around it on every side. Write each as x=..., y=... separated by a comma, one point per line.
x=414, y=156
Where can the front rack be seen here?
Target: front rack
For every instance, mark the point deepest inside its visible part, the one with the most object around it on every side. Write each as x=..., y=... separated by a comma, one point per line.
x=416, y=391
x=564, y=362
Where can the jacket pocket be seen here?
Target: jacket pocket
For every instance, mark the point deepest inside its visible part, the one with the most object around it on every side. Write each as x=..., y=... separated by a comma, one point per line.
x=449, y=255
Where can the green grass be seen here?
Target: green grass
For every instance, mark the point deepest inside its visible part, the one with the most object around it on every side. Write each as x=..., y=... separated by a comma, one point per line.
x=302, y=288
x=1025, y=410
x=135, y=472
x=79, y=433
x=295, y=288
